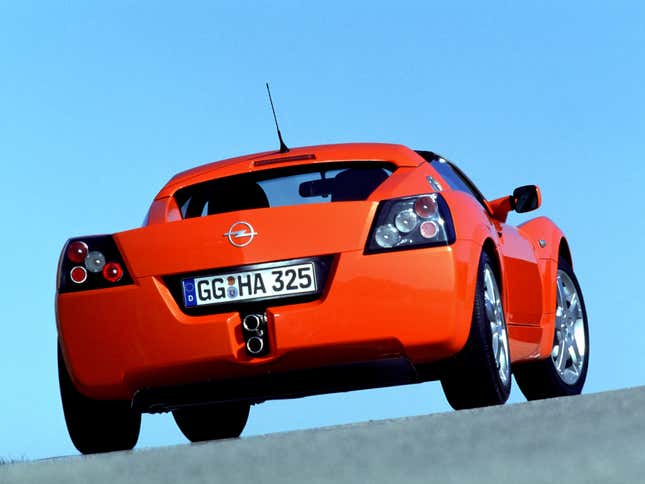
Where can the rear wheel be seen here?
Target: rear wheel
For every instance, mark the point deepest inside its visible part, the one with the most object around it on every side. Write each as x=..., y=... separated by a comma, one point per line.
x=212, y=422
x=96, y=425
x=564, y=372
x=480, y=375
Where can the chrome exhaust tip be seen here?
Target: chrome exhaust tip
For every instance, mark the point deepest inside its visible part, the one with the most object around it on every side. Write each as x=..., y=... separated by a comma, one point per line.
x=255, y=345
x=252, y=322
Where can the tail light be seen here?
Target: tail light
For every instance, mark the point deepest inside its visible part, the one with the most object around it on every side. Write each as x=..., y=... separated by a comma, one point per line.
x=91, y=263
x=76, y=251
x=411, y=222
x=78, y=274
x=113, y=272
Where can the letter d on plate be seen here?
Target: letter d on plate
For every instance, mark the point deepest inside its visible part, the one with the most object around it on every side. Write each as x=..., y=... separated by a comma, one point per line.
x=190, y=298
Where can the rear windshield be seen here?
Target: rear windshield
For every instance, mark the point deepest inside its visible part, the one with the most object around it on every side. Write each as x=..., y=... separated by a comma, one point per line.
x=329, y=182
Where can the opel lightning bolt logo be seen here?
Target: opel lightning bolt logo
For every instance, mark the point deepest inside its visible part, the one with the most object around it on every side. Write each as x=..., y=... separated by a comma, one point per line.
x=240, y=234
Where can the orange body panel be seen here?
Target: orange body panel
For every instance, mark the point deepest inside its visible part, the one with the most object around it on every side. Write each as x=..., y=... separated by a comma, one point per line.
x=413, y=303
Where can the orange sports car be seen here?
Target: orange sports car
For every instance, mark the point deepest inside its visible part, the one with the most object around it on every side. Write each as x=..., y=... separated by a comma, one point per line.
x=313, y=270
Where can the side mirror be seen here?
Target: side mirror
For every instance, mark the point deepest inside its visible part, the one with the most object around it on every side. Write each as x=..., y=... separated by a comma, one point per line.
x=526, y=198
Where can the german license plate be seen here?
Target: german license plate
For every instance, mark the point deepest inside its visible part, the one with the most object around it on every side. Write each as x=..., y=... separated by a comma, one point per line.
x=248, y=285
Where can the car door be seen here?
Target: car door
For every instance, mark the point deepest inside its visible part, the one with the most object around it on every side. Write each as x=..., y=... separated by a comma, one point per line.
x=523, y=283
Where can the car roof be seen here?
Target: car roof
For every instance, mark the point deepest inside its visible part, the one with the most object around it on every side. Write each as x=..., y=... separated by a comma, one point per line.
x=397, y=154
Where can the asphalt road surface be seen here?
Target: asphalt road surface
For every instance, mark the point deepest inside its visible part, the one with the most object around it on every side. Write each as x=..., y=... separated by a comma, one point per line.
x=597, y=438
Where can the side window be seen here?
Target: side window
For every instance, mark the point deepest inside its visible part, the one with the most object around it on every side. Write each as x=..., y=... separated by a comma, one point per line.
x=448, y=174
x=457, y=180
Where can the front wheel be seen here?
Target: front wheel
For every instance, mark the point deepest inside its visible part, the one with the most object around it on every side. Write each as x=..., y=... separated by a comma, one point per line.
x=480, y=375
x=96, y=425
x=212, y=422
x=564, y=372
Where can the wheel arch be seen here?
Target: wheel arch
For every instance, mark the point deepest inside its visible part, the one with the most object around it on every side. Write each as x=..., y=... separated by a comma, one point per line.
x=546, y=236
x=564, y=252
x=491, y=250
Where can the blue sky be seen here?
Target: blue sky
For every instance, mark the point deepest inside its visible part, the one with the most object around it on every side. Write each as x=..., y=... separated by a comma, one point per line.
x=102, y=102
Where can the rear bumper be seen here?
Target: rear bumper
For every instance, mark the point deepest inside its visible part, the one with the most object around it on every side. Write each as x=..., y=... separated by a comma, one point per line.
x=413, y=304
x=300, y=383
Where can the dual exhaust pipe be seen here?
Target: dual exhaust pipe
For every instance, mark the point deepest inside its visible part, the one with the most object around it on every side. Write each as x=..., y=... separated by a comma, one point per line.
x=254, y=322
x=255, y=345
x=254, y=326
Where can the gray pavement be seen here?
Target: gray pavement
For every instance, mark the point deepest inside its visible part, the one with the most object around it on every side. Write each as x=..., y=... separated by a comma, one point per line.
x=597, y=438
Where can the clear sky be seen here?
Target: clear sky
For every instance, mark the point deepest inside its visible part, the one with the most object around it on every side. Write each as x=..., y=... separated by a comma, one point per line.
x=102, y=102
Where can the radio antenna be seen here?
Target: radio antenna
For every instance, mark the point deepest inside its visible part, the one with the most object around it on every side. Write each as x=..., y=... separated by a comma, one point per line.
x=283, y=147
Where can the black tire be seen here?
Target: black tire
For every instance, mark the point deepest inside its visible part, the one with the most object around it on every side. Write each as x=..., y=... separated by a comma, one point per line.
x=472, y=378
x=212, y=422
x=96, y=425
x=541, y=379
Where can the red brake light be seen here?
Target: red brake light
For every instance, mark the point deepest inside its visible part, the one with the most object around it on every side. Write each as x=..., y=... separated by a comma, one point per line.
x=77, y=251
x=113, y=272
x=425, y=207
x=429, y=229
x=284, y=159
x=78, y=274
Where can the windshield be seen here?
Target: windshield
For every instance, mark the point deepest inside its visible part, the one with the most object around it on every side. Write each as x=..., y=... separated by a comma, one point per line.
x=305, y=184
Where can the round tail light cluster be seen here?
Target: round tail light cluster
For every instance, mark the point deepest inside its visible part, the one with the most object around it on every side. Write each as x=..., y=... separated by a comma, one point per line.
x=411, y=222
x=91, y=263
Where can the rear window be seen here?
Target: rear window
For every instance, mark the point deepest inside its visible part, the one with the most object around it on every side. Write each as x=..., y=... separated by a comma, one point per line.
x=322, y=183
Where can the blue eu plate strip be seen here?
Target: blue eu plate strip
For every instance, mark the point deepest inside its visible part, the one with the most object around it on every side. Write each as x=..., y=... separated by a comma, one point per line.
x=190, y=296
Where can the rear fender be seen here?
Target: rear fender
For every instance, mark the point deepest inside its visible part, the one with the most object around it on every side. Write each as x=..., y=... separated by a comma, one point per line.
x=472, y=223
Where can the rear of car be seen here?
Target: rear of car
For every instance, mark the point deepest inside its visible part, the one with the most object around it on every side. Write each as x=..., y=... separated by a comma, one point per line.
x=265, y=267
x=322, y=269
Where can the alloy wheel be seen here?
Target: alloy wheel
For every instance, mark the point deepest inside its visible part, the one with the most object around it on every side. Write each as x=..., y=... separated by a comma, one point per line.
x=499, y=334
x=569, y=342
